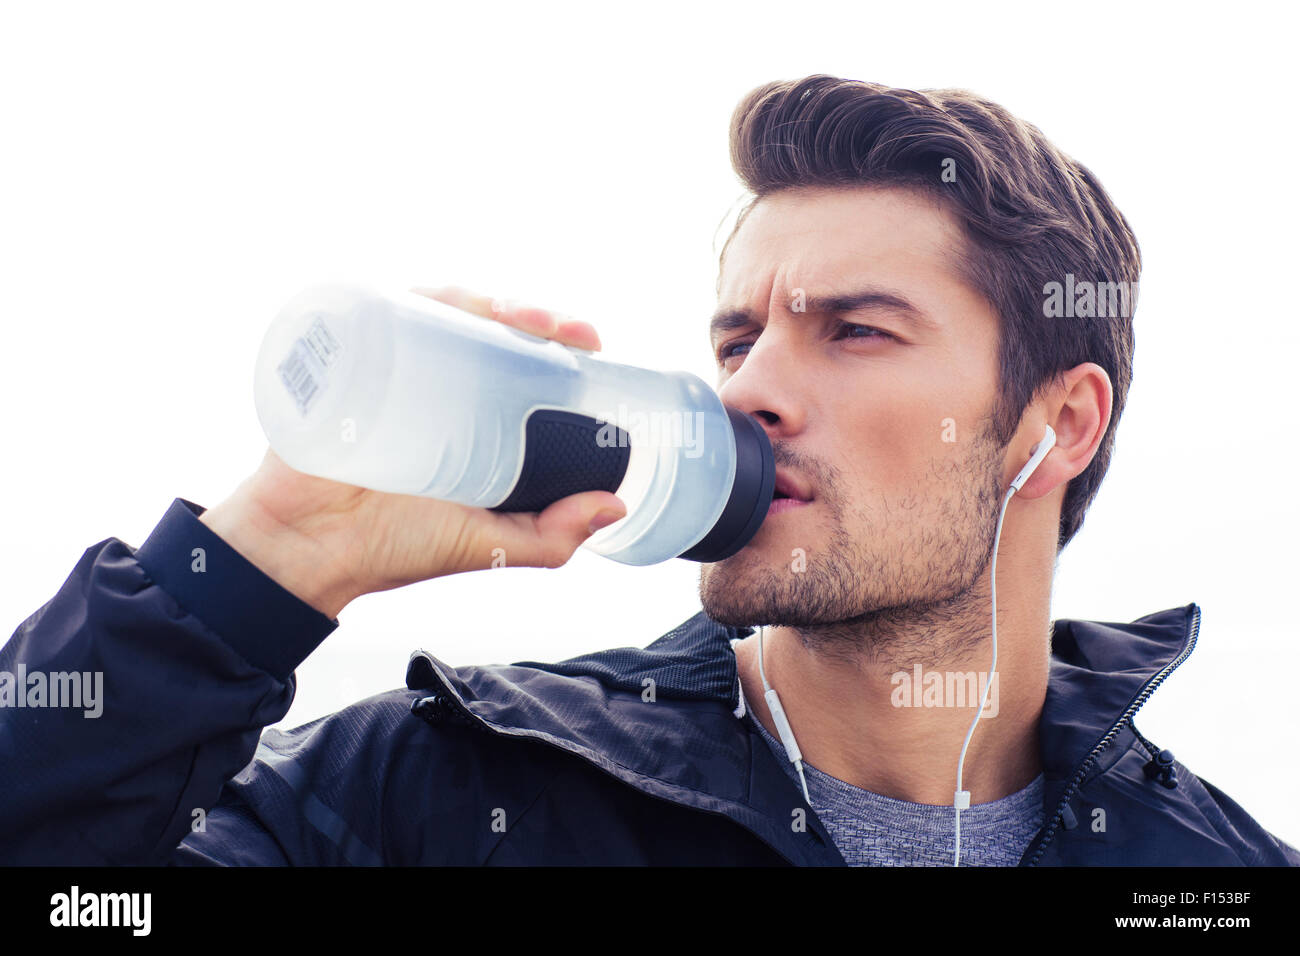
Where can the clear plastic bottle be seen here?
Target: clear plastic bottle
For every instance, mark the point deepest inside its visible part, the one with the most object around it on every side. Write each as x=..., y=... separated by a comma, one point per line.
x=391, y=390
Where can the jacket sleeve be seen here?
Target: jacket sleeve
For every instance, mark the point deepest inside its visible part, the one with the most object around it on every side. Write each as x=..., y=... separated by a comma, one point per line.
x=131, y=698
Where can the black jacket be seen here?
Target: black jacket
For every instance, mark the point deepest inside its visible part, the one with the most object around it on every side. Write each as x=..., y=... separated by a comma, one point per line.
x=624, y=756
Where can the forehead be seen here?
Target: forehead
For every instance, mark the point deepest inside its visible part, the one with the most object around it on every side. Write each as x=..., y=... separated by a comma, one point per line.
x=826, y=236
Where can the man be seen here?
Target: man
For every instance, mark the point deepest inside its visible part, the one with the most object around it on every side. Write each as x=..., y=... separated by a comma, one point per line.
x=921, y=289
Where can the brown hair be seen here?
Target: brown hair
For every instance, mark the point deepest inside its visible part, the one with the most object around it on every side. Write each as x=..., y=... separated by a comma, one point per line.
x=1032, y=216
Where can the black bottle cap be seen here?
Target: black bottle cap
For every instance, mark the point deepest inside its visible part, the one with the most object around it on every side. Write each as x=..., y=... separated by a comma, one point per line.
x=751, y=493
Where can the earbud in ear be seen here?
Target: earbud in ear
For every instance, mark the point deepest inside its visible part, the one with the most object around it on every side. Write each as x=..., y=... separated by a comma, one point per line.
x=1040, y=452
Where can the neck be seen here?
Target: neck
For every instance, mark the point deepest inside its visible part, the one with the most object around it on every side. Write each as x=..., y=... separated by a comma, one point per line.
x=888, y=712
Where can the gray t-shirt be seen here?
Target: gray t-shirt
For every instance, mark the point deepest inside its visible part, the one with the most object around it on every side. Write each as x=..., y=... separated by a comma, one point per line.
x=872, y=830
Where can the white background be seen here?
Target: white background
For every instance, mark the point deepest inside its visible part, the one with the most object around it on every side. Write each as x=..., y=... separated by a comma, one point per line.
x=171, y=173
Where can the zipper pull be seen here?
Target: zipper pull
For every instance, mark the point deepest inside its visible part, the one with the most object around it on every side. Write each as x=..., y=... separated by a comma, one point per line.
x=1161, y=769
x=1068, y=819
x=438, y=709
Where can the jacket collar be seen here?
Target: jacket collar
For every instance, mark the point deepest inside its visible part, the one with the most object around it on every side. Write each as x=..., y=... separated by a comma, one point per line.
x=1101, y=675
x=663, y=717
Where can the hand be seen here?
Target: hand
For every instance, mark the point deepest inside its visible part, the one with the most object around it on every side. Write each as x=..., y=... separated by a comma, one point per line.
x=328, y=542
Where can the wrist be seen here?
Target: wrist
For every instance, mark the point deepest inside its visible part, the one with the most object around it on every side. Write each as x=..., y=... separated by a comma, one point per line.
x=293, y=560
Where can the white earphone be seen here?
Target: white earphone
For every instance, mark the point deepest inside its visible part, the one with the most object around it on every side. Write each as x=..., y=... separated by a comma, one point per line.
x=1040, y=452
x=961, y=798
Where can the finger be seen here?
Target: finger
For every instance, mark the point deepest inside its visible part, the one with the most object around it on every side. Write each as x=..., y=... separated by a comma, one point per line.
x=550, y=325
x=526, y=318
x=554, y=534
x=581, y=335
x=543, y=323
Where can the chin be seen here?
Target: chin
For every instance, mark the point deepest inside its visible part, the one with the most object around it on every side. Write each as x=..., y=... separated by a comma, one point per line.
x=733, y=591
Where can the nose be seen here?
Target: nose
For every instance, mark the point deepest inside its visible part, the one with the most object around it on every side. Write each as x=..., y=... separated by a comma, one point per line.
x=769, y=385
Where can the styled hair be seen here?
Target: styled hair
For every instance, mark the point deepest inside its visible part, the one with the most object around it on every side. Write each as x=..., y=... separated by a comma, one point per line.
x=1039, y=227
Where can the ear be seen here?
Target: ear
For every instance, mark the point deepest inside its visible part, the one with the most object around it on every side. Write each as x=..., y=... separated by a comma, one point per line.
x=1078, y=409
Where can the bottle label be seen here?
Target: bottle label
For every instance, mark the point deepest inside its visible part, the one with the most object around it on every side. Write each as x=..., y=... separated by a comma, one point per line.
x=304, y=371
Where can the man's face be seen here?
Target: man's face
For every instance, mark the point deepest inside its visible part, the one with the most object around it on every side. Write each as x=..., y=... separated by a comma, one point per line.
x=889, y=433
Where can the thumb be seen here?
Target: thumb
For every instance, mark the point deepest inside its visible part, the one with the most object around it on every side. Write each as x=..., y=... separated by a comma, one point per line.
x=565, y=524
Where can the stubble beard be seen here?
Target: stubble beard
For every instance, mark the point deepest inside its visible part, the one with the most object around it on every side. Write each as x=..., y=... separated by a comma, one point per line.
x=918, y=597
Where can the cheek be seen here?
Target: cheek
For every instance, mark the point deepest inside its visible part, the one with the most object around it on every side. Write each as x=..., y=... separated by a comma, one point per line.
x=888, y=445
x=900, y=430
x=872, y=453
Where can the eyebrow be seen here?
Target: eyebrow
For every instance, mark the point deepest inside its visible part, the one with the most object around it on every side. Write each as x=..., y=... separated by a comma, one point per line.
x=725, y=320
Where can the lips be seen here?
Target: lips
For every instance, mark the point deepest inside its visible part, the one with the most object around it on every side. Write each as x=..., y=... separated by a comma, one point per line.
x=789, y=485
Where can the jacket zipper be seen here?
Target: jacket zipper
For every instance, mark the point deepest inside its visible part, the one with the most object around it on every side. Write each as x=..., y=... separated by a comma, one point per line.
x=1148, y=689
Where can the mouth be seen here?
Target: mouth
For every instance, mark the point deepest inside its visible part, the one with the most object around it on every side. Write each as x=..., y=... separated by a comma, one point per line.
x=782, y=505
x=789, y=492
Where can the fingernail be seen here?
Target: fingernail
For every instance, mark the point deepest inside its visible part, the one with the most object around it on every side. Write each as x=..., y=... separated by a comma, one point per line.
x=603, y=519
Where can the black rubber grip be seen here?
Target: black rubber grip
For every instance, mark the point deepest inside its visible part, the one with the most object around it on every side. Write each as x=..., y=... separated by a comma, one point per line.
x=565, y=453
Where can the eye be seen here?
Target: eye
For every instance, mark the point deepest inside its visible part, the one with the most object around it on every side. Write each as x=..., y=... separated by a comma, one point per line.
x=725, y=351
x=877, y=333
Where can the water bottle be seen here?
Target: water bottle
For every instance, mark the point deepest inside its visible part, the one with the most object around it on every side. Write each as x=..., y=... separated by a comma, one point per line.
x=391, y=390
